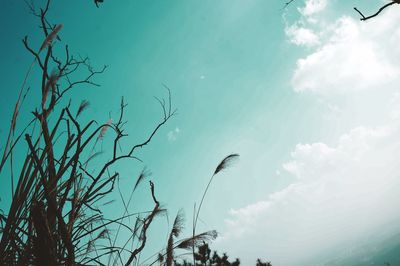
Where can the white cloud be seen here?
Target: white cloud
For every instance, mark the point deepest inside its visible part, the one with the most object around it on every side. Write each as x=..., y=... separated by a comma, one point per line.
x=301, y=36
x=351, y=55
x=341, y=193
x=173, y=134
x=395, y=106
x=351, y=59
x=313, y=6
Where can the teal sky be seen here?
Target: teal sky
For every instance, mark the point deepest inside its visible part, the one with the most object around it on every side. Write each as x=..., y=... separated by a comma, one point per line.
x=231, y=67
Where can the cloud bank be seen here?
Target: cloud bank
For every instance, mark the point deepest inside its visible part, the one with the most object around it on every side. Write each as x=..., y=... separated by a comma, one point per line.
x=349, y=55
x=346, y=191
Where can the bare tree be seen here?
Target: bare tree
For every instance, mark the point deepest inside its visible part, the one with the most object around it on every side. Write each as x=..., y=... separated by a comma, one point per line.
x=53, y=217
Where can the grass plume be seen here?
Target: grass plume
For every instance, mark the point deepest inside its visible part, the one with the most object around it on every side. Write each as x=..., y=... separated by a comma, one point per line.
x=197, y=240
x=50, y=38
x=177, y=228
x=104, y=129
x=142, y=176
x=226, y=162
x=82, y=107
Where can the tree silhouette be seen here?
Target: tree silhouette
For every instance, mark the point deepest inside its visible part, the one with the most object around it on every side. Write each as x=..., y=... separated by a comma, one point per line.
x=260, y=263
x=203, y=258
x=203, y=254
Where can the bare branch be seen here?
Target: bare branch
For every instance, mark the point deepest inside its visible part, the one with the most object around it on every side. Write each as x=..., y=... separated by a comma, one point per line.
x=363, y=17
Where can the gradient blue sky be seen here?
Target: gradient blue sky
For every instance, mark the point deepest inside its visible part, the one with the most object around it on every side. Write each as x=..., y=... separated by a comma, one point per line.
x=305, y=96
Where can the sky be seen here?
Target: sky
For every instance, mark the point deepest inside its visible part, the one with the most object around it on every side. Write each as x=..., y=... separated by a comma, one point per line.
x=308, y=96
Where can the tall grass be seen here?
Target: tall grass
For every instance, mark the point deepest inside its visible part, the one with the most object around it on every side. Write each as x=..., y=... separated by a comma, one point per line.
x=56, y=214
x=225, y=163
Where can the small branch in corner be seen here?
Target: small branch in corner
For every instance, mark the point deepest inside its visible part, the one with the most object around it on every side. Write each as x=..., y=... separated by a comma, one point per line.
x=364, y=18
